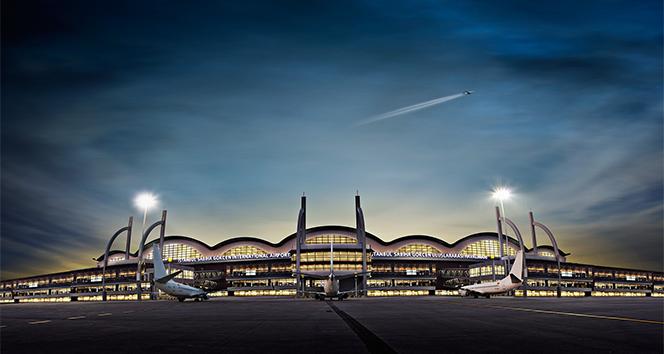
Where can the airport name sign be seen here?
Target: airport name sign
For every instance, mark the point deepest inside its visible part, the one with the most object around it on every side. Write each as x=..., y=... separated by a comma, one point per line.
x=237, y=257
x=424, y=255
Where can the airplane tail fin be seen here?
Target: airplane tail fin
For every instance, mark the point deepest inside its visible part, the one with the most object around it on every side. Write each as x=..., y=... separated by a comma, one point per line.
x=159, y=269
x=516, y=273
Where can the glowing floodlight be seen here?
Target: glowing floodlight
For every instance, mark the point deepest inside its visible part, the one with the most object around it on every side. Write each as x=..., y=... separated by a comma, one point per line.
x=502, y=193
x=145, y=201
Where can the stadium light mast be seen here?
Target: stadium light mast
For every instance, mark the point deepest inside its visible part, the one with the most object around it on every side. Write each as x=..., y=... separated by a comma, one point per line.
x=501, y=194
x=145, y=201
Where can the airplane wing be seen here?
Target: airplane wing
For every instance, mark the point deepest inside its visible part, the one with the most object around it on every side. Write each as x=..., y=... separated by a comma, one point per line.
x=311, y=292
x=310, y=275
x=168, y=277
x=346, y=276
x=349, y=291
x=473, y=292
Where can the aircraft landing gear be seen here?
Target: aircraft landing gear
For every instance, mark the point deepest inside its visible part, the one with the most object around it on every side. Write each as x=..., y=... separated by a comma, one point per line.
x=181, y=299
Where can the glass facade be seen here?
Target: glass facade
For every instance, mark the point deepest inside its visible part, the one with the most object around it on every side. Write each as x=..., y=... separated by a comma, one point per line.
x=549, y=254
x=486, y=270
x=379, y=283
x=418, y=248
x=243, y=250
x=114, y=259
x=420, y=267
x=288, y=292
x=602, y=273
x=175, y=251
x=550, y=293
x=381, y=267
x=339, y=256
x=408, y=274
x=340, y=266
x=330, y=238
x=447, y=292
x=617, y=293
x=243, y=269
x=397, y=292
x=486, y=248
x=47, y=299
x=571, y=283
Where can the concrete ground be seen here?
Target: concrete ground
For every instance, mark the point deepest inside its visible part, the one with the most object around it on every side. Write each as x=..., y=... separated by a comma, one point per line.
x=379, y=325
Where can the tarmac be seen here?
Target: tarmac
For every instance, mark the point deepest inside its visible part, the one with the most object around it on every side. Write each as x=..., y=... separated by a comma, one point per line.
x=428, y=324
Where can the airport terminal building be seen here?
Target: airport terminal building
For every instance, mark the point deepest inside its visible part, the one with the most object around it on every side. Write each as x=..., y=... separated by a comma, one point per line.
x=408, y=265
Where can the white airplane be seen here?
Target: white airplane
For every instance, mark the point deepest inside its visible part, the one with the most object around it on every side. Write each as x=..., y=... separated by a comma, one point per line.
x=165, y=282
x=510, y=282
x=330, y=282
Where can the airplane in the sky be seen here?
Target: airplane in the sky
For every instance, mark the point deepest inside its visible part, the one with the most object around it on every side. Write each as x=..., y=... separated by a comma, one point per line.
x=164, y=281
x=468, y=92
x=330, y=282
x=512, y=281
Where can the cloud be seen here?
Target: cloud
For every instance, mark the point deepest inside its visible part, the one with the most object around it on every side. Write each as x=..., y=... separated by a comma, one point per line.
x=230, y=111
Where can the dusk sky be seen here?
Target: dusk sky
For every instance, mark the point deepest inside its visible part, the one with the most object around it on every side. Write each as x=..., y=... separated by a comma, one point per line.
x=229, y=111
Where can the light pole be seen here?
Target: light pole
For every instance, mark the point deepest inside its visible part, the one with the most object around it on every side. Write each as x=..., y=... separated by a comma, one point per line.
x=501, y=194
x=144, y=201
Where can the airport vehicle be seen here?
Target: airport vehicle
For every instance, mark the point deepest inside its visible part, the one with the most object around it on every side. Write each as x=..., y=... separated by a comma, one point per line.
x=468, y=92
x=512, y=281
x=330, y=282
x=164, y=281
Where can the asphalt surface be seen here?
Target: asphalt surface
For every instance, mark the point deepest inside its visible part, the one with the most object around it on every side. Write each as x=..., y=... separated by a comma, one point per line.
x=379, y=325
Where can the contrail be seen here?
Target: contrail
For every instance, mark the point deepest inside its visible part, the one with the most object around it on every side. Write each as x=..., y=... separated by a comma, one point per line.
x=412, y=108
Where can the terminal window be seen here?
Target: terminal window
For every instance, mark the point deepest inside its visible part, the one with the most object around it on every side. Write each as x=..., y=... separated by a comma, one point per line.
x=243, y=250
x=418, y=248
x=177, y=251
x=330, y=238
x=486, y=248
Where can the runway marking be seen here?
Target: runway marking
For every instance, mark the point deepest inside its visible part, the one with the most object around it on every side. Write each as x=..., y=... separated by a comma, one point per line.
x=39, y=322
x=104, y=314
x=614, y=318
x=373, y=343
x=3, y=326
x=75, y=317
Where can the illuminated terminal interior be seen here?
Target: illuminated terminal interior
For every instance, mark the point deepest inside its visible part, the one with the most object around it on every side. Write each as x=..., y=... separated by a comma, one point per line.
x=406, y=266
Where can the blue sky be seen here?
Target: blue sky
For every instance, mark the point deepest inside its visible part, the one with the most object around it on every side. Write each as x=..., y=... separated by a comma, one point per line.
x=230, y=111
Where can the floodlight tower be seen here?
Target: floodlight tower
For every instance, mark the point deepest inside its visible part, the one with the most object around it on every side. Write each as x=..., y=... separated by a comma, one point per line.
x=501, y=194
x=145, y=201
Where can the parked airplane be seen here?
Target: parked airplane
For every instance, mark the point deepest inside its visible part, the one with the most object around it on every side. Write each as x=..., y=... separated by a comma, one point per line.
x=510, y=282
x=330, y=282
x=165, y=282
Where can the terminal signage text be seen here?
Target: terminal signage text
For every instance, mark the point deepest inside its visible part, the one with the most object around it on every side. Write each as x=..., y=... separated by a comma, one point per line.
x=237, y=257
x=423, y=255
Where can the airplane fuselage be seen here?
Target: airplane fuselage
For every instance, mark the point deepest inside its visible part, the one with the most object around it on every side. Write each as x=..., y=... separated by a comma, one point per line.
x=179, y=290
x=331, y=287
x=164, y=281
x=512, y=281
x=491, y=288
